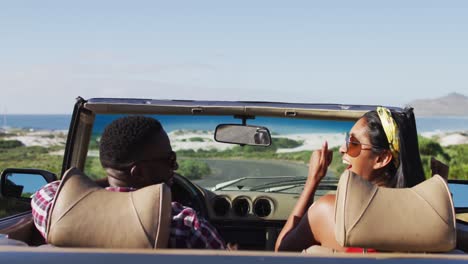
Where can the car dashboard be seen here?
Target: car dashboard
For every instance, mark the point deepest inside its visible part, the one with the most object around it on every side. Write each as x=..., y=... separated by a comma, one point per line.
x=250, y=219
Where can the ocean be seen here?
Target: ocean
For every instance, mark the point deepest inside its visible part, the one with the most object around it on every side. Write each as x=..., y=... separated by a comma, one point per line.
x=170, y=123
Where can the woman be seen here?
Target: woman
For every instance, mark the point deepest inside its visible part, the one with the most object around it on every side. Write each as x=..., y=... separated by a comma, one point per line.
x=382, y=147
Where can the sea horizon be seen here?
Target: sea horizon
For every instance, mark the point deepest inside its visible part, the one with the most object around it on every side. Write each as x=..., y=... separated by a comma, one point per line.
x=61, y=122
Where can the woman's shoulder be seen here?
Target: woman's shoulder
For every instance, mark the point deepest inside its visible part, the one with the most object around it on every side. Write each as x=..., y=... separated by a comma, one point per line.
x=325, y=201
x=322, y=216
x=322, y=210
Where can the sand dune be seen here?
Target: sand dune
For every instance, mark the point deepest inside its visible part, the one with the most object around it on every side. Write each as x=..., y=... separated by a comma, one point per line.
x=448, y=138
x=44, y=138
x=313, y=141
x=181, y=140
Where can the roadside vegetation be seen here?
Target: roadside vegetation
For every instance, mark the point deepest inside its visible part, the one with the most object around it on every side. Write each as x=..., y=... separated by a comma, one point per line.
x=455, y=156
x=15, y=155
x=191, y=164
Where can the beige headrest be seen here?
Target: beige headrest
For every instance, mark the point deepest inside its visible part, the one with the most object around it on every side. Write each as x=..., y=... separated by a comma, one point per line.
x=417, y=219
x=86, y=215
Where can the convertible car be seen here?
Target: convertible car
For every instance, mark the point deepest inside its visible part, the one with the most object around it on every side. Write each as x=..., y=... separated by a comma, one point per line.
x=242, y=166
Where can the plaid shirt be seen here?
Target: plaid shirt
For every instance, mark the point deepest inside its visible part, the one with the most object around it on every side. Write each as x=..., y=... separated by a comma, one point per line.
x=187, y=229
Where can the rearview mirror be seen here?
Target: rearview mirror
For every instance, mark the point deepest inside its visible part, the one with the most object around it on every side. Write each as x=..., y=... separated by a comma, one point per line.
x=243, y=135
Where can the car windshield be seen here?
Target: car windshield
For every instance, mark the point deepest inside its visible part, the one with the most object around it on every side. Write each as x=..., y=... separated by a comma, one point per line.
x=280, y=167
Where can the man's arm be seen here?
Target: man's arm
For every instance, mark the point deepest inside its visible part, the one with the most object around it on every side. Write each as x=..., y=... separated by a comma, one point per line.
x=190, y=231
x=40, y=204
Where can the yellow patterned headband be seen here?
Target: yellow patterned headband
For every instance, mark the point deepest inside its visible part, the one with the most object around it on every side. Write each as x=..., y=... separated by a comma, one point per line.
x=391, y=131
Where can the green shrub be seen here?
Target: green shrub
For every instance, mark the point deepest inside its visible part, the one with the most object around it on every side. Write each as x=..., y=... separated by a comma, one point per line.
x=31, y=157
x=94, y=169
x=193, y=169
x=455, y=156
x=458, y=161
x=286, y=143
x=337, y=166
x=7, y=144
x=432, y=147
x=196, y=139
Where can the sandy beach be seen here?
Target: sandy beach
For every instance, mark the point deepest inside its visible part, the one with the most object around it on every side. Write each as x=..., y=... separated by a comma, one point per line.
x=44, y=138
x=196, y=140
x=310, y=141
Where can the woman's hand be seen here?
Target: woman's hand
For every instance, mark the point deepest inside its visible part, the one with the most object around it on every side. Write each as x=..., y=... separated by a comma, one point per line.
x=318, y=163
x=288, y=237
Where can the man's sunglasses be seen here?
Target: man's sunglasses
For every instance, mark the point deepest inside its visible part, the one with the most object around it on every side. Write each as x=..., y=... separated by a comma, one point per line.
x=354, y=147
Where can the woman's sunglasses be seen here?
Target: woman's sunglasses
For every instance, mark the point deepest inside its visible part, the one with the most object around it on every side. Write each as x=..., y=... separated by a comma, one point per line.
x=354, y=147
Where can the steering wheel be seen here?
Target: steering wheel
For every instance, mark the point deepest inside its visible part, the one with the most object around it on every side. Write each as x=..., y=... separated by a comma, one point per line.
x=187, y=194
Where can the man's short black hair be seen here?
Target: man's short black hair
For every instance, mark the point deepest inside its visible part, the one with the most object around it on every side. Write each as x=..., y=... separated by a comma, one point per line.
x=124, y=140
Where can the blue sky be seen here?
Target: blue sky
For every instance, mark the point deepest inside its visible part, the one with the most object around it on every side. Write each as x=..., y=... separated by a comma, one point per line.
x=363, y=52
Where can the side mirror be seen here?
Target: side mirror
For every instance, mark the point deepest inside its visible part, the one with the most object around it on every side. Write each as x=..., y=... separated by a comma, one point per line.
x=22, y=183
x=243, y=135
x=459, y=190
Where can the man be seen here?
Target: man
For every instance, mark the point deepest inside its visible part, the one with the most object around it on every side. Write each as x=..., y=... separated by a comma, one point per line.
x=135, y=152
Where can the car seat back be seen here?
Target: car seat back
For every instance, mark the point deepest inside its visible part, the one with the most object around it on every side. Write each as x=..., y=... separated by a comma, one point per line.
x=86, y=215
x=417, y=219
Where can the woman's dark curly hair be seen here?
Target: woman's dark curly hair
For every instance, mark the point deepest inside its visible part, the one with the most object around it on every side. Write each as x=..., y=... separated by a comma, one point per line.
x=124, y=140
x=410, y=171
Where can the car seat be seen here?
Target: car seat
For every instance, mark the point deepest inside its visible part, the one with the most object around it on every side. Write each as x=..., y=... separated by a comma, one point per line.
x=417, y=219
x=86, y=215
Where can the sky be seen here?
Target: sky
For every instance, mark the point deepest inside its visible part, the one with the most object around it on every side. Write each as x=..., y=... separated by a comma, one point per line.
x=351, y=52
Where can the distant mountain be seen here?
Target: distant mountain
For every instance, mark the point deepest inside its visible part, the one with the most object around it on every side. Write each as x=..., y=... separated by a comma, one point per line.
x=453, y=104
